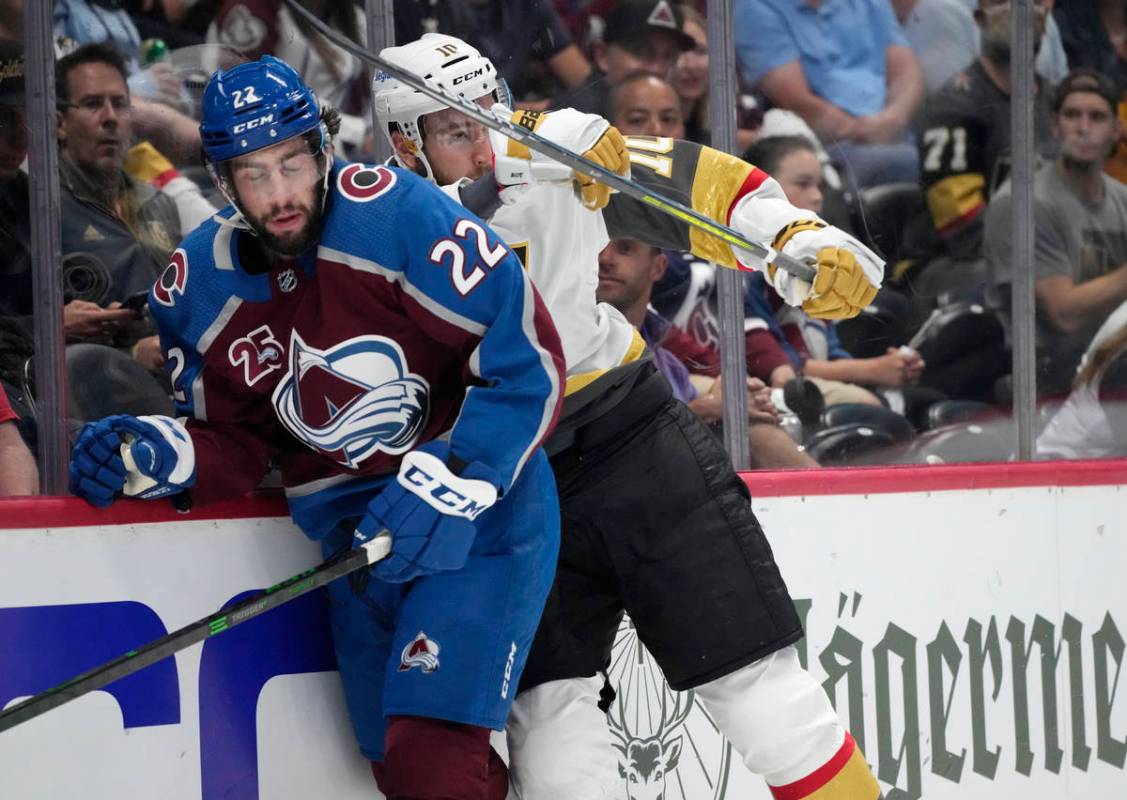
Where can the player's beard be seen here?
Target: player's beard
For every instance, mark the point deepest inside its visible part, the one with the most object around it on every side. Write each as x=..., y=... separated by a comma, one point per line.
x=293, y=243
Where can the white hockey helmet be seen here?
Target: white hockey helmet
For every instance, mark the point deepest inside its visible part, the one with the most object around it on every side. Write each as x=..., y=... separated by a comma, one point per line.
x=444, y=61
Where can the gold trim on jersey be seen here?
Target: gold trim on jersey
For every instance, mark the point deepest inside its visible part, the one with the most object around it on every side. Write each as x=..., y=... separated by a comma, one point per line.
x=633, y=353
x=521, y=250
x=789, y=231
x=956, y=199
x=529, y=120
x=716, y=180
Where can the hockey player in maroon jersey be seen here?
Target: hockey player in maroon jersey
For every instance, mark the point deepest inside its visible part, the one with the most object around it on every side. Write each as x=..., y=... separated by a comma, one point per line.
x=388, y=352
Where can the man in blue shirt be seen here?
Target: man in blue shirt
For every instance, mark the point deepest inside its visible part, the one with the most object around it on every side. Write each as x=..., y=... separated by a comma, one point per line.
x=846, y=68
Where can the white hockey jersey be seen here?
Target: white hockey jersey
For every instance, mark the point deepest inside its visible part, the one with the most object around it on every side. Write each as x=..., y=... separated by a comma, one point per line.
x=559, y=240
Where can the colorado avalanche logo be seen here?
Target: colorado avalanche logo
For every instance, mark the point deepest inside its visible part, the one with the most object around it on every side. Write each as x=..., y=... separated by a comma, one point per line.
x=362, y=184
x=173, y=280
x=420, y=652
x=352, y=400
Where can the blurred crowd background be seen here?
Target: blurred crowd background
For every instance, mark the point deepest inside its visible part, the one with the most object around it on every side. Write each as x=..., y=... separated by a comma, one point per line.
x=890, y=118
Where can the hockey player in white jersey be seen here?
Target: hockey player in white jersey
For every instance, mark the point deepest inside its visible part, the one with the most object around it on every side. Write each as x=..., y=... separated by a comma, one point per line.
x=655, y=521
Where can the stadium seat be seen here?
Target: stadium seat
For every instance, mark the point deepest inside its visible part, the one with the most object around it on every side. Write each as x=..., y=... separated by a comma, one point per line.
x=879, y=326
x=881, y=214
x=888, y=422
x=961, y=442
x=964, y=345
x=949, y=412
x=850, y=444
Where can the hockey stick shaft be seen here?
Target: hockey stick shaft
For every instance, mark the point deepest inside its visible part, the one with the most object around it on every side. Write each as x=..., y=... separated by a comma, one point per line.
x=223, y=620
x=800, y=269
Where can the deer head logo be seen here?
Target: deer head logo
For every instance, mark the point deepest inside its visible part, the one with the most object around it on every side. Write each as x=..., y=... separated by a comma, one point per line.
x=644, y=762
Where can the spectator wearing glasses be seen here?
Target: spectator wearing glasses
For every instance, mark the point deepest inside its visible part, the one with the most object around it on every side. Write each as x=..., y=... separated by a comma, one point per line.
x=117, y=233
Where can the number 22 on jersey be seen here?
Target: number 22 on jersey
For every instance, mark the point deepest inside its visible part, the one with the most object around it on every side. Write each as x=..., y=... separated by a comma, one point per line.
x=466, y=273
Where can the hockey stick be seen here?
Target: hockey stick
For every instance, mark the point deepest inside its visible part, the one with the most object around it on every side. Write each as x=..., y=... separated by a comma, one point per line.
x=222, y=620
x=800, y=269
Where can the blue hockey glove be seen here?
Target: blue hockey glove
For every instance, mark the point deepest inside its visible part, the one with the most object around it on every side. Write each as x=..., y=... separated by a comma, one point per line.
x=430, y=513
x=97, y=473
x=145, y=457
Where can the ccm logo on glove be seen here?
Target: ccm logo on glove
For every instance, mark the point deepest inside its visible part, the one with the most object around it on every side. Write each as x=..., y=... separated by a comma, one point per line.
x=427, y=477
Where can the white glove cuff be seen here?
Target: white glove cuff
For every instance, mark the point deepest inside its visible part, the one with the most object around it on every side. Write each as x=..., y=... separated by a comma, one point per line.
x=428, y=478
x=178, y=438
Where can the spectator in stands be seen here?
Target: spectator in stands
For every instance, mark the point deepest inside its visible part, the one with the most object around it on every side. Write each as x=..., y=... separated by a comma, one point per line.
x=516, y=35
x=633, y=35
x=18, y=473
x=628, y=270
x=690, y=79
x=1094, y=35
x=125, y=230
x=180, y=23
x=90, y=21
x=1080, y=218
x=16, y=337
x=1092, y=423
x=646, y=105
x=846, y=69
x=258, y=27
x=942, y=34
x=964, y=148
x=15, y=235
x=176, y=134
x=80, y=319
x=783, y=340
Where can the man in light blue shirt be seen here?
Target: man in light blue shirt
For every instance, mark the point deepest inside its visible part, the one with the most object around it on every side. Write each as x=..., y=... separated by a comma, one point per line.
x=846, y=68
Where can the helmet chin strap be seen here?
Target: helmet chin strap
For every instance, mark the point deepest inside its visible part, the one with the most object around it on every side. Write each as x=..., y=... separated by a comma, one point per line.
x=420, y=156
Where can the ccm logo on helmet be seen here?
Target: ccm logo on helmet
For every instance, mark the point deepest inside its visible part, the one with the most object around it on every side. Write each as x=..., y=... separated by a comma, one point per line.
x=252, y=124
x=469, y=76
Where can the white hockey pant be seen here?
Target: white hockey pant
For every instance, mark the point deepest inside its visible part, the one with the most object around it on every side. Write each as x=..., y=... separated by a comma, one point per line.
x=776, y=716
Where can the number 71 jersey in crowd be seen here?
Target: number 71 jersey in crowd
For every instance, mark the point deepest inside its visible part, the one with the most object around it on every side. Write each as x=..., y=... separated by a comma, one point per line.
x=407, y=319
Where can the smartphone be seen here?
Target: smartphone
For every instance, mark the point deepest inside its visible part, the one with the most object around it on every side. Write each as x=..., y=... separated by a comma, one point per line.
x=136, y=302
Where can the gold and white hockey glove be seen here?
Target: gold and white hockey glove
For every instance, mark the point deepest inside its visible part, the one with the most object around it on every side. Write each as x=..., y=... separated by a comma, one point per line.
x=841, y=288
x=849, y=274
x=592, y=136
x=608, y=152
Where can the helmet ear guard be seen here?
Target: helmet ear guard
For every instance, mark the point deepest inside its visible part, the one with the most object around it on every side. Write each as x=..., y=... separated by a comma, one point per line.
x=446, y=62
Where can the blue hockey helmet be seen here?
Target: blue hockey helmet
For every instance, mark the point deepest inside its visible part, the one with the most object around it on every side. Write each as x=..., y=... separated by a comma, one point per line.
x=256, y=105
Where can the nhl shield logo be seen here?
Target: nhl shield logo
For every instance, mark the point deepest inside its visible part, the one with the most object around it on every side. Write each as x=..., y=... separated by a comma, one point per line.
x=420, y=652
x=353, y=399
x=287, y=280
